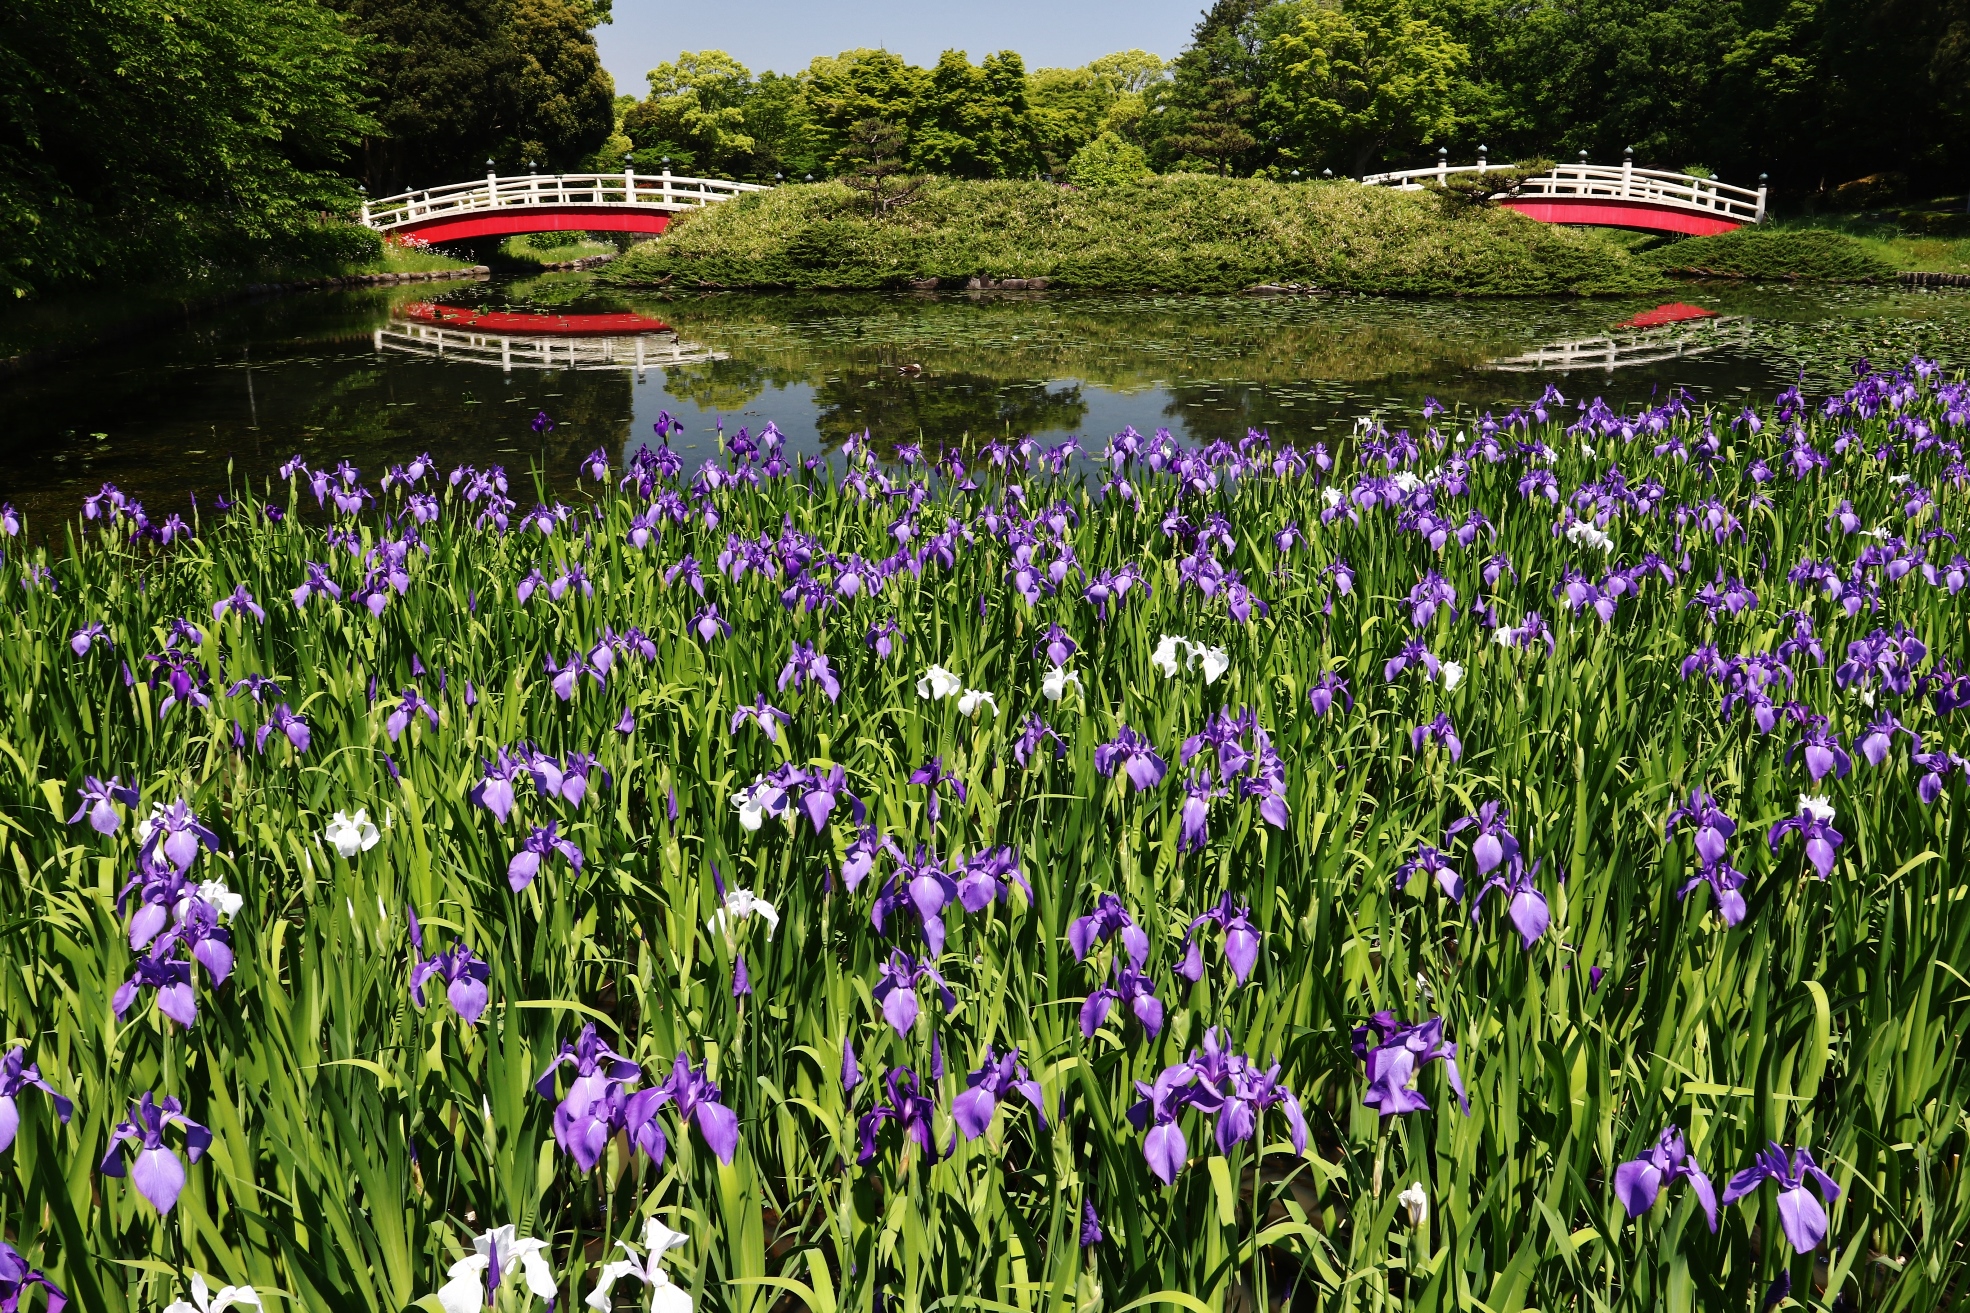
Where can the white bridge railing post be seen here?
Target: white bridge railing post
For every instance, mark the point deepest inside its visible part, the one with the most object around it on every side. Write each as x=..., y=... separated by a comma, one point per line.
x=1762, y=178
x=1628, y=173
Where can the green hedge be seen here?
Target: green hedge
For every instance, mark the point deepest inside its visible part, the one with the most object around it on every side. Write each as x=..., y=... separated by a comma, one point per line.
x=1170, y=233
x=1812, y=254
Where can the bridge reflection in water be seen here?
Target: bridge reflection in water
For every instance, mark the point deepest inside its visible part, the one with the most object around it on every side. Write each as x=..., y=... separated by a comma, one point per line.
x=539, y=341
x=1642, y=344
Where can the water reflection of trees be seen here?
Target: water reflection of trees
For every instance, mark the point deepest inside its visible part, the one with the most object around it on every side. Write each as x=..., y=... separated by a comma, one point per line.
x=897, y=407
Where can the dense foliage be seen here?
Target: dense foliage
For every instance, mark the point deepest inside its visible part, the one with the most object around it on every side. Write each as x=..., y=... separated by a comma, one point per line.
x=1454, y=868
x=1180, y=232
x=145, y=138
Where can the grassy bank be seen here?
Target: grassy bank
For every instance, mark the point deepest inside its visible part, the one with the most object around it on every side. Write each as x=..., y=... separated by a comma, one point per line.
x=1170, y=233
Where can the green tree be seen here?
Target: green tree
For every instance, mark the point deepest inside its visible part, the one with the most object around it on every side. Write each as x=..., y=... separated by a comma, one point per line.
x=1216, y=128
x=696, y=115
x=139, y=138
x=845, y=89
x=972, y=121
x=1070, y=107
x=1346, y=87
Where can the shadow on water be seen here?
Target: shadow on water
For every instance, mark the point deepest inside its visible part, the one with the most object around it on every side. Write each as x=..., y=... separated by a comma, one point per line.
x=255, y=383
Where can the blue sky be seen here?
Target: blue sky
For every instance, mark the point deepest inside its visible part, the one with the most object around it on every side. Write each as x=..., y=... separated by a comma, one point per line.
x=783, y=35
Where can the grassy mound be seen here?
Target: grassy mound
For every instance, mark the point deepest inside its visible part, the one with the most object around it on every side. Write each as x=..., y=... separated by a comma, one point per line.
x=1170, y=233
x=1810, y=254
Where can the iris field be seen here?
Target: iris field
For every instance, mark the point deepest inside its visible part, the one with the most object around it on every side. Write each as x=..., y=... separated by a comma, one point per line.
x=1505, y=862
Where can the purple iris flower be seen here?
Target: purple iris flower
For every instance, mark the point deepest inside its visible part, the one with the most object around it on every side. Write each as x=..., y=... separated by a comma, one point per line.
x=99, y=802
x=1242, y=941
x=465, y=978
x=1109, y=920
x=17, y=1074
x=1054, y=646
x=989, y=874
x=169, y=976
x=16, y=1276
x=155, y=1171
x=1880, y=738
x=1431, y=593
x=317, y=584
x=567, y=780
x=1523, y=901
x=1195, y=828
x=542, y=843
x=1129, y=986
x=176, y=833
x=284, y=721
x=1325, y=690
x=1639, y=1181
x=256, y=686
x=1433, y=862
x=1156, y=1113
x=1814, y=825
x=1397, y=1056
x=707, y=624
x=1135, y=754
x=986, y=1088
x=1823, y=752
x=1090, y=1224
x=1441, y=731
x=594, y=1107
x=87, y=637
x=697, y=1099
x=1494, y=843
x=411, y=704
x=884, y=638
x=808, y=664
x=930, y=775
x=241, y=600
x=769, y=718
x=1726, y=885
x=1713, y=828
x=1799, y=1213
x=910, y=1109
x=1413, y=653
x=1034, y=733
x=495, y=791
x=896, y=989
x=1939, y=766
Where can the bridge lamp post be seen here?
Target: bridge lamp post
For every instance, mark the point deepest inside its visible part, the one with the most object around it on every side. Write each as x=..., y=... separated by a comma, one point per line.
x=1762, y=179
x=1627, y=170
x=363, y=192
x=1442, y=164
x=1483, y=153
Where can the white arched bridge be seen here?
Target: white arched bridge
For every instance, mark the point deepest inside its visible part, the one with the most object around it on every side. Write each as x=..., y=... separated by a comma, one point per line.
x=1607, y=196
x=1610, y=196
x=547, y=202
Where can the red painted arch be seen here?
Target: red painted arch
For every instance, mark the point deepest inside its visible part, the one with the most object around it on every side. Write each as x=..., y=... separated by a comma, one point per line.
x=1612, y=213
x=535, y=219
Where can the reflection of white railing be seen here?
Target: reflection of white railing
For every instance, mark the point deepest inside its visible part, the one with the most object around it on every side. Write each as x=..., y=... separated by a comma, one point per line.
x=1624, y=182
x=1644, y=347
x=661, y=191
x=637, y=351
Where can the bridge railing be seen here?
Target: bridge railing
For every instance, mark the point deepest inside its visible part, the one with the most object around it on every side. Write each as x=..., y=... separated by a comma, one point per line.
x=662, y=191
x=1603, y=182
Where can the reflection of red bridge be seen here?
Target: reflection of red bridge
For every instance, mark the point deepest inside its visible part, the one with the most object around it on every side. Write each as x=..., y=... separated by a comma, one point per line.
x=518, y=323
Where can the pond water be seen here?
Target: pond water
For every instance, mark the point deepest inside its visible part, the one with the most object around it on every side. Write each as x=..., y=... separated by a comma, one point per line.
x=368, y=375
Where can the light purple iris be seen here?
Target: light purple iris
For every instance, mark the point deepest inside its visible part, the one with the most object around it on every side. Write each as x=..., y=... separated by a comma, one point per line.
x=1109, y=920
x=1414, y=653
x=411, y=704
x=707, y=624
x=1396, y=1056
x=989, y=875
x=1326, y=690
x=317, y=584
x=1430, y=861
x=994, y=1081
x=1217, y=1081
x=1523, y=901
x=1054, y=646
x=1242, y=941
x=16, y=1075
x=1432, y=593
x=1035, y=733
x=594, y=1107
x=495, y=791
x=176, y=833
x=808, y=664
x=1440, y=731
x=910, y=1109
x=1127, y=986
x=1822, y=751
x=99, y=803
x=1640, y=1181
x=87, y=637
x=1726, y=887
x=284, y=721
x=155, y=1171
x=544, y=842
x=1713, y=828
x=16, y=1276
x=1814, y=825
x=1939, y=766
x=1880, y=738
x=465, y=978
x=1494, y=843
x=896, y=989
x=932, y=774
x=1136, y=755
x=1194, y=831
x=1801, y=1215
x=241, y=600
x=697, y=1099
x=884, y=638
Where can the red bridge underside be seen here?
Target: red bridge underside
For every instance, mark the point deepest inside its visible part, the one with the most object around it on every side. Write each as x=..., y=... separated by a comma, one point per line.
x=536, y=219
x=1623, y=214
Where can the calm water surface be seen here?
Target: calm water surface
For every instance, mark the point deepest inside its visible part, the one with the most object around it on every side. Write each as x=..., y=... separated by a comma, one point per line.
x=347, y=374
